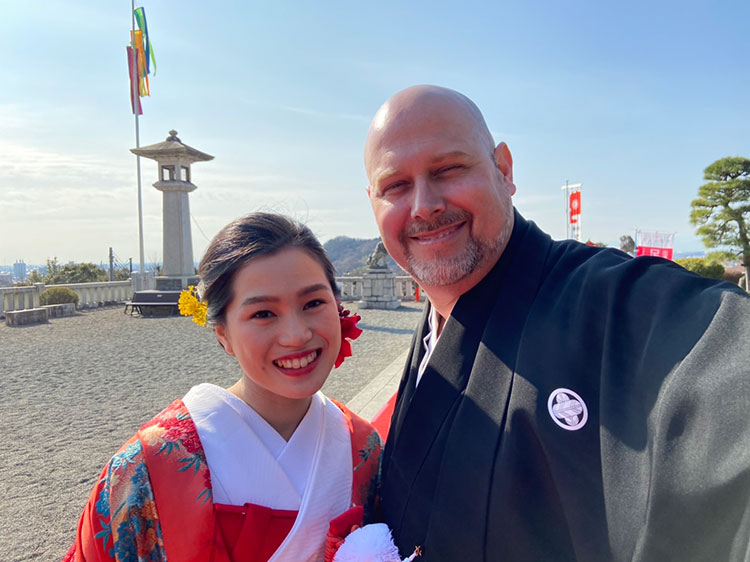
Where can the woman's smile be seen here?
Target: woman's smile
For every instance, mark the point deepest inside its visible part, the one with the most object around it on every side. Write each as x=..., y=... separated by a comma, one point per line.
x=298, y=362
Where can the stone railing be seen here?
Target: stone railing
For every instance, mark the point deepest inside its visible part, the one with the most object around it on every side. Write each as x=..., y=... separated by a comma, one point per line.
x=95, y=294
x=89, y=294
x=351, y=288
x=18, y=298
x=406, y=287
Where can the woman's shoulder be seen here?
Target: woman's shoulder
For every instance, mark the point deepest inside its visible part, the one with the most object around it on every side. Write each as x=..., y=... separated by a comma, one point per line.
x=169, y=430
x=356, y=423
x=132, y=451
x=172, y=414
x=171, y=444
x=366, y=441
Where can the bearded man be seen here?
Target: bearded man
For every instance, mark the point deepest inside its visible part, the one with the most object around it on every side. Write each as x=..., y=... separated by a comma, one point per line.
x=560, y=401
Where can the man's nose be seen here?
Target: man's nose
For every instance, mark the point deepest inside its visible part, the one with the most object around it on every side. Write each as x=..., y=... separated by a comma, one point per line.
x=428, y=200
x=294, y=332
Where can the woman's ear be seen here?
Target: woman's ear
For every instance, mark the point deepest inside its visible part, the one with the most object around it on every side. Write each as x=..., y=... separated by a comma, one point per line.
x=221, y=336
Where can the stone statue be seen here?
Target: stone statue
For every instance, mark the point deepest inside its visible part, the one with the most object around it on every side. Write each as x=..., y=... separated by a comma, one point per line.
x=627, y=244
x=376, y=260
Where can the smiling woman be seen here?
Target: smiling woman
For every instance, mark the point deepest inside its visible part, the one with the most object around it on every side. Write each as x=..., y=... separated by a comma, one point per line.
x=282, y=325
x=256, y=471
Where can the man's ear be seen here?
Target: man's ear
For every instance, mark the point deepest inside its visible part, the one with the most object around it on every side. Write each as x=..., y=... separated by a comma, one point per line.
x=504, y=162
x=221, y=335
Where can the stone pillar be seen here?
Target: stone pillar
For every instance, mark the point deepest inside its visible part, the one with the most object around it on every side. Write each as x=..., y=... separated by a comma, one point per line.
x=177, y=240
x=379, y=289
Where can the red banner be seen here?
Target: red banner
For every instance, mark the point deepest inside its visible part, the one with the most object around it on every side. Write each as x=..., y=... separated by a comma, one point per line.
x=133, y=72
x=575, y=206
x=652, y=251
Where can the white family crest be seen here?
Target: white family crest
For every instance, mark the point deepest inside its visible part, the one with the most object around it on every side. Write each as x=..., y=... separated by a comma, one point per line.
x=567, y=409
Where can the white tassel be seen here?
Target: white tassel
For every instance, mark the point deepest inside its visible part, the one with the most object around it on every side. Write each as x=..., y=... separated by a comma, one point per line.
x=371, y=543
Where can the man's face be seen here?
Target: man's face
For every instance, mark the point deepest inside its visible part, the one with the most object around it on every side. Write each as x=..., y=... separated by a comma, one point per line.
x=441, y=202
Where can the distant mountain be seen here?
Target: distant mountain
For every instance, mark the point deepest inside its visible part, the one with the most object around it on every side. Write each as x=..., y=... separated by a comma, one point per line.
x=350, y=254
x=690, y=254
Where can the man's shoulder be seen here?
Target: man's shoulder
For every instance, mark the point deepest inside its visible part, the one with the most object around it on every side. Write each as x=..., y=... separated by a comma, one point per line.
x=578, y=267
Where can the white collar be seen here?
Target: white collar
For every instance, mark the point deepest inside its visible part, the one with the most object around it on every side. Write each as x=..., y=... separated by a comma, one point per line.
x=429, y=341
x=242, y=449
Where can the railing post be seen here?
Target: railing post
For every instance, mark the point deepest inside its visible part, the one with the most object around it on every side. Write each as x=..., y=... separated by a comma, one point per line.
x=38, y=290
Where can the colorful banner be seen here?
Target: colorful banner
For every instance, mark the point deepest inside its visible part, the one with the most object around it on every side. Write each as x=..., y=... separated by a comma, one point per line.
x=140, y=56
x=653, y=243
x=132, y=63
x=140, y=18
x=574, y=205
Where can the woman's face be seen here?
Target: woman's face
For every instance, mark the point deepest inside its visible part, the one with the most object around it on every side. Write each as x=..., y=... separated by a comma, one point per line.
x=283, y=327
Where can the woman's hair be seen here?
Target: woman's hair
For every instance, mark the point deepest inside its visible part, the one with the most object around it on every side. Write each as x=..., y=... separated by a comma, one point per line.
x=247, y=238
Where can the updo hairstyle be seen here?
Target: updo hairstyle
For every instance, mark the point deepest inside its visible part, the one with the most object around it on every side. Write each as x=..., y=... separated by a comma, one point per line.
x=244, y=239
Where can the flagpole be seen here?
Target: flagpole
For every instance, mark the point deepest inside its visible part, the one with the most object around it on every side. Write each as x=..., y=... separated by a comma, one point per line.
x=136, y=103
x=570, y=231
x=566, y=197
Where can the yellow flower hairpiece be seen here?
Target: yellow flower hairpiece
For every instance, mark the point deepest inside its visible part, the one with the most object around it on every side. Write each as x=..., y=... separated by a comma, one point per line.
x=189, y=305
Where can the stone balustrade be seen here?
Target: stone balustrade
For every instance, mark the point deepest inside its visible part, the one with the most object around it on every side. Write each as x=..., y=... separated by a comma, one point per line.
x=352, y=288
x=89, y=294
x=96, y=294
x=406, y=288
x=19, y=298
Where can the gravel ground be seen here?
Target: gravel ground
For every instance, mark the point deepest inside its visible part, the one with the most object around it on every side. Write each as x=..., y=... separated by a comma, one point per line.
x=72, y=391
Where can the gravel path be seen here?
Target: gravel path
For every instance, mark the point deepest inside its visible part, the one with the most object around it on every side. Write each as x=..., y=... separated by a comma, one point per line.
x=72, y=391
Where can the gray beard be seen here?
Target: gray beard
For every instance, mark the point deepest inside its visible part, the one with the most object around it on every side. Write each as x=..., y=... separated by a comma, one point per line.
x=442, y=271
x=446, y=271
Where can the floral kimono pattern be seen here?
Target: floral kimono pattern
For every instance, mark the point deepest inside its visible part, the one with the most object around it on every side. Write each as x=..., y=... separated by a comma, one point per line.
x=153, y=499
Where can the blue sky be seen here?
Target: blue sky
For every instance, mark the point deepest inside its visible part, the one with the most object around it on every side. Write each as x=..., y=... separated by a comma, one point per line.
x=632, y=99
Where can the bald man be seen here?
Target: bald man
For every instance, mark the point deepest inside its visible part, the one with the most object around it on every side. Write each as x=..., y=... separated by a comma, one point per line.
x=560, y=402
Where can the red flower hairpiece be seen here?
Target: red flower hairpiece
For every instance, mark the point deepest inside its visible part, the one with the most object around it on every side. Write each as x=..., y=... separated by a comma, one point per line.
x=349, y=331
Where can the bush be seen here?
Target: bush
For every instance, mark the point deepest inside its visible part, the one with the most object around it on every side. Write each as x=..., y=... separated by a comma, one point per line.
x=58, y=295
x=703, y=267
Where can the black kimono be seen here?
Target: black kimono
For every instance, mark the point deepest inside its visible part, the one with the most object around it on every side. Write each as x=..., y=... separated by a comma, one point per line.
x=579, y=405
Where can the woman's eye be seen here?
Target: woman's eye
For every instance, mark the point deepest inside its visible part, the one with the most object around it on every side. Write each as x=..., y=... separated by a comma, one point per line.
x=262, y=314
x=314, y=303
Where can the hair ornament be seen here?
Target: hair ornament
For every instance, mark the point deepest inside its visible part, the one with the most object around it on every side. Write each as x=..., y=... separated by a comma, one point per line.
x=190, y=305
x=349, y=331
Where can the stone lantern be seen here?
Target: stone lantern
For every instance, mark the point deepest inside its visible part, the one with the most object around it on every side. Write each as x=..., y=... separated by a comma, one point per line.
x=174, y=159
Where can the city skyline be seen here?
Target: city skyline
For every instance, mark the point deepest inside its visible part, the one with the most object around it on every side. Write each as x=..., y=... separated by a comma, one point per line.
x=634, y=101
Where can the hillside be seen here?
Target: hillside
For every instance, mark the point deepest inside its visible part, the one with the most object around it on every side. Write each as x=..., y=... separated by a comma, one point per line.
x=350, y=254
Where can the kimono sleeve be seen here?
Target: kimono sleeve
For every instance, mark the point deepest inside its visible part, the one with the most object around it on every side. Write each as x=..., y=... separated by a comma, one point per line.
x=366, y=452
x=120, y=521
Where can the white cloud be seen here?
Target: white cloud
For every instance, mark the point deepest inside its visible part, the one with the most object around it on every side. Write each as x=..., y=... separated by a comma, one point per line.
x=57, y=168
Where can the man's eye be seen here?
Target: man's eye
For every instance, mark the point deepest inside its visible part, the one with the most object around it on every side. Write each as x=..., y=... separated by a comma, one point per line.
x=449, y=169
x=315, y=303
x=393, y=186
x=262, y=314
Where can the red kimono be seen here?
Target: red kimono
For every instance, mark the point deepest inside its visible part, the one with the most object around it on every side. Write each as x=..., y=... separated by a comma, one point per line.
x=153, y=500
